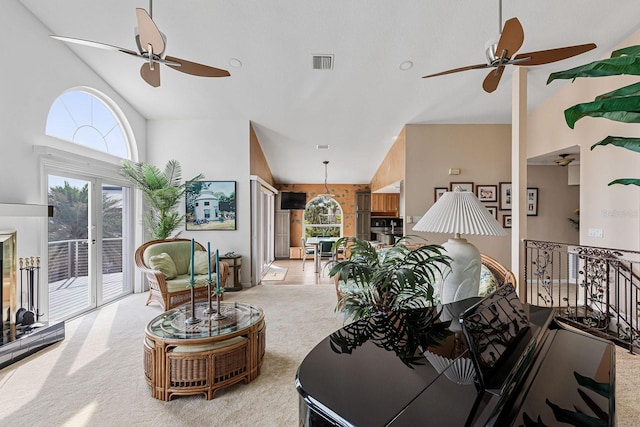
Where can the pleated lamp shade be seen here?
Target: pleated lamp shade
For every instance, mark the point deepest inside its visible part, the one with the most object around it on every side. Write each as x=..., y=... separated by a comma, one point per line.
x=459, y=212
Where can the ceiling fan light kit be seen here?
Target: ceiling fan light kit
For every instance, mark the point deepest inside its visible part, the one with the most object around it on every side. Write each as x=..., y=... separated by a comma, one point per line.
x=151, y=45
x=564, y=160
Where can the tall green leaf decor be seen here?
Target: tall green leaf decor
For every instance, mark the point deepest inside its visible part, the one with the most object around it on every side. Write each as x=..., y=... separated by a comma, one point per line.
x=621, y=105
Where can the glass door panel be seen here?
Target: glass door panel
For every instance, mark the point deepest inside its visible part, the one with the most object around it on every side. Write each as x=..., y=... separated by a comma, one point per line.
x=69, y=281
x=113, y=272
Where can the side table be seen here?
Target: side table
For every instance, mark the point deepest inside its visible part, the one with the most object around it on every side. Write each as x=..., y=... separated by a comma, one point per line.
x=183, y=359
x=235, y=263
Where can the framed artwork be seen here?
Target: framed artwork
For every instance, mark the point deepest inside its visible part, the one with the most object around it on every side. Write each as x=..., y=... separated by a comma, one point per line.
x=487, y=193
x=532, y=201
x=506, y=221
x=493, y=210
x=438, y=191
x=505, y=196
x=466, y=186
x=210, y=205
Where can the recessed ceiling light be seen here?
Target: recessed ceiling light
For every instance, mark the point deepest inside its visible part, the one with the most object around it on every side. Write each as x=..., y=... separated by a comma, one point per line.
x=406, y=65
x=235, y=63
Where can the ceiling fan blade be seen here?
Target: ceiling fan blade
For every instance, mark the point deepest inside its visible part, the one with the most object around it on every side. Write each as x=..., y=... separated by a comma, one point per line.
x=456, y=70
x=196, y=69
x=511, y=38
x=552, y=55
x=94, y=44
x=151, y=75
x=149, y=33
x=490, y=82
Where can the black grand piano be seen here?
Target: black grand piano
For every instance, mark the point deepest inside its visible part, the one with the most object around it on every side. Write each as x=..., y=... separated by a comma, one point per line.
x=476, y=362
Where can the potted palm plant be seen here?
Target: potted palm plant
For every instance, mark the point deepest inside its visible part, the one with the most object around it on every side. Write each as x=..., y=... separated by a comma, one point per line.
x=394, y=279
x=162, y=192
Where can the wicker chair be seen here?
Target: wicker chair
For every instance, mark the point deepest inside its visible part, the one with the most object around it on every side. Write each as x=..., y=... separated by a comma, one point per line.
x=501, y=273
x=172, y=293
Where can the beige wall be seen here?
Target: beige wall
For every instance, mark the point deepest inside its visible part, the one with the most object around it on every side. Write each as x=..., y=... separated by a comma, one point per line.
x=615, y=210
x=481, y=152
x=556, y=202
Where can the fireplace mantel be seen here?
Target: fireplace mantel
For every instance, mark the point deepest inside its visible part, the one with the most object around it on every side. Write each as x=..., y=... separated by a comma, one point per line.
x=21, y=209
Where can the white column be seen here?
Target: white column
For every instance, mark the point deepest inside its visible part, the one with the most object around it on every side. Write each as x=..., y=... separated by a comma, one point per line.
x=518, y=171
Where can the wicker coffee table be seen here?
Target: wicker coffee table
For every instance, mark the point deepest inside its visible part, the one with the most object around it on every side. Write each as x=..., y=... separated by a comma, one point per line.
x=188, y=359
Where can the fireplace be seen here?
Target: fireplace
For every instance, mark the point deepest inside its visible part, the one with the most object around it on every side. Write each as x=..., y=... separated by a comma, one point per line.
x=8, y=284
x=19, y=341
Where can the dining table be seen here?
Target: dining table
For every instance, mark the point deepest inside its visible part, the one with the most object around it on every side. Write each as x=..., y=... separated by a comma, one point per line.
x=315, y=242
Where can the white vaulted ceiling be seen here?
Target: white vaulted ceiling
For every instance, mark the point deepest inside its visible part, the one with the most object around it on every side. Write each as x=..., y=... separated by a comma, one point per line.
x=359, y=106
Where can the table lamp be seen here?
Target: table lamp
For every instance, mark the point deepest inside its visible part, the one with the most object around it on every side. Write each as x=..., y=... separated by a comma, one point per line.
x=460, y=212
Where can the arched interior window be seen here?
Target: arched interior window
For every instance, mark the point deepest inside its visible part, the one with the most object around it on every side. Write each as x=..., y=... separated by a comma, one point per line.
x=83, y=118
x=323, y=217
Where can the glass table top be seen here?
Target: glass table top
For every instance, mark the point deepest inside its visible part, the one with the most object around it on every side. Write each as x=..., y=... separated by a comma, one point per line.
x=173, y=324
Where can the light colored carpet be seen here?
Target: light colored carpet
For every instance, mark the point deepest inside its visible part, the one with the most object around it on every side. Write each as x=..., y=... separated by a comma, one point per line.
x=95, y=376
x=276, y=273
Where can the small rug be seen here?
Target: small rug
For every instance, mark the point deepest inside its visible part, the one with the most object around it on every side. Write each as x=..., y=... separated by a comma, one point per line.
x=276, y=273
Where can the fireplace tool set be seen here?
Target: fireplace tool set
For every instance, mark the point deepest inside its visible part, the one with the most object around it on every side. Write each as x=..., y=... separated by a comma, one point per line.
x=29, y=268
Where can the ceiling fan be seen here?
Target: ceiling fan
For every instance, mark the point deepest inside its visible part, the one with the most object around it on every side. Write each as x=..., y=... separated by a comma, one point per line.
x=151, y=48
x=503, y=52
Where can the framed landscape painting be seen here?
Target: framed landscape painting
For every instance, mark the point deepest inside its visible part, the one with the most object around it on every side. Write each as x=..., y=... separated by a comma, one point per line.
x=210, y=205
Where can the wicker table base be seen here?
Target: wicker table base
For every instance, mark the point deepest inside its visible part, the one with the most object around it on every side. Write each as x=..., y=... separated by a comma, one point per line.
x=204, y=359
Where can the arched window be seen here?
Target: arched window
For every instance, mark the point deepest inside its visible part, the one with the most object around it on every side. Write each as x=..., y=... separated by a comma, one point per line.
x=82, y=117
x=323, y=217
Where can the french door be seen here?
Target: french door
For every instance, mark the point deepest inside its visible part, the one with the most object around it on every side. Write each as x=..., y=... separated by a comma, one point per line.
x=87, y=244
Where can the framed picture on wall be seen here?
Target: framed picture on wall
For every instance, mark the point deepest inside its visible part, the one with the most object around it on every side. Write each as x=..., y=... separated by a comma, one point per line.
x=493, y=210
x=532, y=201
x=487, y=193
x=437, y=192
x=210, y=205
x=505, y=196
x=466, y=186
x=506, y=221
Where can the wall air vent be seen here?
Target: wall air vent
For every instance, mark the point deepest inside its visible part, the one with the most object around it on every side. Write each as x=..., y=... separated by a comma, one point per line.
x=323, y=62
x=322, y=147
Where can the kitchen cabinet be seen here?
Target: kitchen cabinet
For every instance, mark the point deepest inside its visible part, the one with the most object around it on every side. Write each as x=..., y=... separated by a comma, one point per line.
x=389, y=203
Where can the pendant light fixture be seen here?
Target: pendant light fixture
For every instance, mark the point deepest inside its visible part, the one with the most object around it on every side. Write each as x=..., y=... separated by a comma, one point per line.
x=326, y=194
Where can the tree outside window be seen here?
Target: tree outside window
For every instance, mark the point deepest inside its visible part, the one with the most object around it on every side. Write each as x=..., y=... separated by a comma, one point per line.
x=322, y=217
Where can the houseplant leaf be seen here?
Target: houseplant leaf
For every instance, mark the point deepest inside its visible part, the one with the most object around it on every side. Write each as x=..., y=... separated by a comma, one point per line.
x=630, y=90
x=624, y=109
x=630, y=143
x=622, y=63
x=626, y=181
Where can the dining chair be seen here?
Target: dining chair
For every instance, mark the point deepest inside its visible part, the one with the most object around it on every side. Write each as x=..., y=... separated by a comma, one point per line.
x=307, y=250
x=325, y=250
